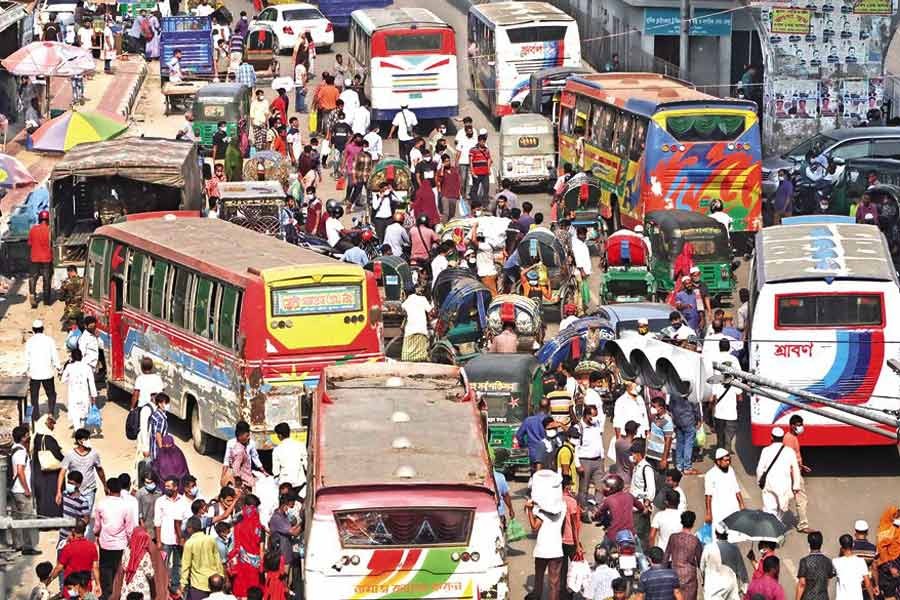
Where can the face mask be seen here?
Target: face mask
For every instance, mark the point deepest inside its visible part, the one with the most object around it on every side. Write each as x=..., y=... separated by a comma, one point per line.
x=171, y=493
x=635, y=390
x=631, y=459
x=70, y=488
x=798, y=429
x=552, y=433
x=83, y=444
x=150, y=487
x=191, y=492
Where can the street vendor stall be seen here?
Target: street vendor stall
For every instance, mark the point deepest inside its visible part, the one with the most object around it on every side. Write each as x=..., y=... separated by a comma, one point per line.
x=95, y=184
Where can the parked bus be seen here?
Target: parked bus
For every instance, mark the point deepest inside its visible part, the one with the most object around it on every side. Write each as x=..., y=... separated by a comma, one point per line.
x=657, y=143
x=508, y=41
x=410, y=57
x=402, y=500
x=822, y=305
x=239, y=324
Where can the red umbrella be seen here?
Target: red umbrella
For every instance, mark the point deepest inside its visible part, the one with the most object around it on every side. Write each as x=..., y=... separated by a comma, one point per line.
x=49, y=59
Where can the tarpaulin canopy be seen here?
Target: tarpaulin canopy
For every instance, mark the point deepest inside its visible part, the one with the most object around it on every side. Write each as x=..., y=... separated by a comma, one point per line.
x=162, y=162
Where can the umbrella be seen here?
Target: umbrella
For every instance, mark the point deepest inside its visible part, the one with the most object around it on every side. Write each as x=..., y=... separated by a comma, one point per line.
x=754, y=526
x=49, y=59
x=76, y=127
x=13, y=173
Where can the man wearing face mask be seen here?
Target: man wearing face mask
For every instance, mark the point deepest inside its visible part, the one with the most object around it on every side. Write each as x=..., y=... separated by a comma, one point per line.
x=630, y=406
x=792, y=441
x=465, y=140
x=86, y=461
x=550, y=445
x=158, y=423
x=167, y=515
x=147, y=497
x=643, y=487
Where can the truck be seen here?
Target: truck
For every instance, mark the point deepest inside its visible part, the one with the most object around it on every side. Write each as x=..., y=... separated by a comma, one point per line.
x=402, y=500
x=193, y=36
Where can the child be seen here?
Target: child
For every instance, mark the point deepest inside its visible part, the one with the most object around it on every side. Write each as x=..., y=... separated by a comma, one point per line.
x=41, y=591
x=275, y=587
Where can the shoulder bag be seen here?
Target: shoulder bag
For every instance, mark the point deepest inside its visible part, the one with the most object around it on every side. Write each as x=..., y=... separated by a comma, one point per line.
x=49, y=462
x=765, y=475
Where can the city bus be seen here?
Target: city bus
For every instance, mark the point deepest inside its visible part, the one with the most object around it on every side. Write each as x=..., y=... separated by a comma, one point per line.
x=410, y=57
x=657, y=143
x=822, y=305
x=402, y=500
x=238, y=324
x=508, y=41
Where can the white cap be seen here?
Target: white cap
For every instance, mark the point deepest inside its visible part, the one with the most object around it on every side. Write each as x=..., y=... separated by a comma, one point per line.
x=777, y=432
x=639, y=229
x=721, y=528
x=347, y=82
x=37, y=324
x=695, y=269
x=643, y=321
x=860, y=525
x=722, y=453
x=482, y=131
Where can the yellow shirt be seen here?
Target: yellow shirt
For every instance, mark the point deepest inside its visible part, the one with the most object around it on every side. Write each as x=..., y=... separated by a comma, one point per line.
x=199, y=560
x=566, y=457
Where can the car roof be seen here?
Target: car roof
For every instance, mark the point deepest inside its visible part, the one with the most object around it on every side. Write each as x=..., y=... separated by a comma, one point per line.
x=294, y=6
x=848, y=133
x=631, y=311
x=682, y=218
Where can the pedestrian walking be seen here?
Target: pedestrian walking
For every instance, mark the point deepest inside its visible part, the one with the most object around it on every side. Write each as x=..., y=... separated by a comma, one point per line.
x=862, y=547
x=723, y=399
x=245, y=559
x=113, y=525
x=548, y=523
x=778, y=474
x=416, y=309
x=814, y=571
x=480, y=164
x=590, y=454
x=168, y=513
x=158, y=424
x=404, y=124
x=767, y=586
x=285, y=531
x=582, y=257
x=71, y=291
x=142, y=570
x=621, y=451
x=792, y=441
x=85, y=460
x=687, y=420
x=259, y=118
x=357, y=194
x=643, y=488
x=659, y=582
x=46, y=458
x=236, y=449
x=630, y=406
x=42, y=366
x=464, y=141
x=486, y=267
x=851, y=573
x=719, y=580
x=147, y=496
x=659, y=438
x=531, y=432
x=723, y=494
x=199, y=561
x=684, y=552
x=80, y=387
x=666, y=522
x=78, y=555
x=89, y=345
x=25, y=540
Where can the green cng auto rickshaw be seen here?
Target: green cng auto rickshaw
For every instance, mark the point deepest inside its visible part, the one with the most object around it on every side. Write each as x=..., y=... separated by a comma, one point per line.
x=508, y=386
x=393, y=276
x=527, y=149
x=216, y=102
x=670, y=231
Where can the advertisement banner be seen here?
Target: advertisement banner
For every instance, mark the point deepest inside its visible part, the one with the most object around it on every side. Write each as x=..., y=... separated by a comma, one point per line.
x=791, y=21
x=706, y=22
x=873, y=7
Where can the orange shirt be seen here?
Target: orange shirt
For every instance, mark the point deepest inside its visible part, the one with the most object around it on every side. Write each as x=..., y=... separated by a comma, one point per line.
x=326, y=97
x=39, y=241
x=791, y=441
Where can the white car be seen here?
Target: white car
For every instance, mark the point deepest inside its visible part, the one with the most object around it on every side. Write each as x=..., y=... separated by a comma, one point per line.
x=290, y=20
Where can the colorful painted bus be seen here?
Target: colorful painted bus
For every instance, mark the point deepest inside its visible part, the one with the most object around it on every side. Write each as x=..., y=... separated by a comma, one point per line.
x=657, y=143
x=823, y=304
x=410, y=57
x=239, y=324
x=398, y=507
x=508, y=41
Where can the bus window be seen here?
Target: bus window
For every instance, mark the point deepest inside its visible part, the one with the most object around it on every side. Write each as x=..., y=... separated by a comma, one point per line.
x=96, y=267
x=180, y=295
x=604, y=136
x=202, y=304
x=413, y=42
x=214, y=311
x=157, y=286
x=582, y=112
x=533, y=35
x=706, y=127
x=136, y=262
x=565, y=120
x=596, y=126
x=637, y=138
x=229, y=312
x=834, y=310
x=622, y=135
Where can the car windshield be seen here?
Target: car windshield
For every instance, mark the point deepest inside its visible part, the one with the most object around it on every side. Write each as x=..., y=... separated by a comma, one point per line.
x=302, y=14
x=815, y=145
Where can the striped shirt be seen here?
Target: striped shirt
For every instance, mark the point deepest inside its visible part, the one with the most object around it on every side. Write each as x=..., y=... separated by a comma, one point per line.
x=246, y=75
x=77, y=507
x=157, y=424
x=659, y=583
x=236, y=43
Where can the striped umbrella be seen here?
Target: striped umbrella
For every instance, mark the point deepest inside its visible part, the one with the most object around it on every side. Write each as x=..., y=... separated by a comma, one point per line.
x=76, y=127
x=49, y=59
x=13, y=173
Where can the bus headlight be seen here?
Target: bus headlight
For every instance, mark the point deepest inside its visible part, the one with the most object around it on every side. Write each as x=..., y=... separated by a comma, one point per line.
x=455, y=557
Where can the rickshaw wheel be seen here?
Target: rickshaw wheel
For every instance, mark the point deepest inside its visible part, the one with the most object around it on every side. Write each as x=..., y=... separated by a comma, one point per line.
x=394, y=348
x=441, y=356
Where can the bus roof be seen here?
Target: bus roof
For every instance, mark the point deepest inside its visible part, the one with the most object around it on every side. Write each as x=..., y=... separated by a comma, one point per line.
x=641, y=93
x=519, y=13
x=397, y=423
x=223, y=249
x=373, y=19
x=822, y=251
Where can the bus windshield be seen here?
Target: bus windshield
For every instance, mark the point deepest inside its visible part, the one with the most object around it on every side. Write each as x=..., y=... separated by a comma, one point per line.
x=414, y=42
x=833, y=310
x=530, y=35
x=706, y=127
x=418, y=527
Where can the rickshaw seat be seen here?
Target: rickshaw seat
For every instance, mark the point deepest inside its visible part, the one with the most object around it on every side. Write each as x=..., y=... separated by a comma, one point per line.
x=465, y=332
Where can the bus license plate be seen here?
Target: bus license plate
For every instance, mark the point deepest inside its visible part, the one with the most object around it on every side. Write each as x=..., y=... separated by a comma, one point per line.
x=416, y=96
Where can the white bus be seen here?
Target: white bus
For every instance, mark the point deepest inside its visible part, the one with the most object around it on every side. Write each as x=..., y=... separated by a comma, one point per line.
x=824, y=318
x=508, y=41
x=410, y=57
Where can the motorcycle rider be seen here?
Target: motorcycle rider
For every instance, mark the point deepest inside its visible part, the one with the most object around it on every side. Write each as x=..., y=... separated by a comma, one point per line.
x=337, y=236
x=717, y=212
x=618, y=508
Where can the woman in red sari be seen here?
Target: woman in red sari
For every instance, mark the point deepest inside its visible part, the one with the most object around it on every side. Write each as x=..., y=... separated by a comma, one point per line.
x=682, y=266
x=245, y=559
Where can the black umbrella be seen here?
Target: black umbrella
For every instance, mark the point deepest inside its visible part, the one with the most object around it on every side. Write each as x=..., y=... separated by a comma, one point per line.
x=754, y=526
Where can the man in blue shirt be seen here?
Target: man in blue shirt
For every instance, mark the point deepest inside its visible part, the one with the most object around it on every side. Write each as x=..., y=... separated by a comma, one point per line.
x=686, y=302
x=356, y=254
x=531, y=432
x=658, y=582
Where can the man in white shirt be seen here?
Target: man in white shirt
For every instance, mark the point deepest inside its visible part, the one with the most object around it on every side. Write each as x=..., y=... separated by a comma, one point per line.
x=743, y=311
x=22, y=494
x=415, y=331
x=404, y=124
x=42, y=365
x=375, y=142
x=396, y=235
x=630, y=406
x=465, y=140
x=720, y=486
x=721, y=400
x=360, y=120
x=350, y=99
x=582, y=257
x=333, y=230
x=666, y=522
x=203, y=9
x=643, y=488
x=175, y=73
x=289, y=459
x=89, y=344
x=167, y=515
x=217, y=588
x=485, y=266
x=677, y=330
x=146, y=385
x=852, y=574
x=590, y=454
x=440, y=262
x=778, y=474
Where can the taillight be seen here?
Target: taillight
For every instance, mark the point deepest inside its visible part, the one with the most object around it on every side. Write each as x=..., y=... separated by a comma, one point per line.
x=329, y=27
x=288, y=30
x=726, y=271
x=377, y=270
x=515, y=443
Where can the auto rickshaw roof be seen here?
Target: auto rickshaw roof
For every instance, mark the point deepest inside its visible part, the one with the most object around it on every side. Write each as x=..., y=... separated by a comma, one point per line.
x=490, y=366
x=400, y=266
x=222, y=90
x=682, y=219
x=526, y=124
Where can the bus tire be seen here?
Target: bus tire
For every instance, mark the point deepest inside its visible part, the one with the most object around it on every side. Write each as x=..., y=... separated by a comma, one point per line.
x=203, y=442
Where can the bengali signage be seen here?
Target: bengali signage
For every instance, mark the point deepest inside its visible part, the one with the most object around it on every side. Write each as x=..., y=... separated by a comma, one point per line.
x=873, y=7
x=706, y=22
x=791, y=21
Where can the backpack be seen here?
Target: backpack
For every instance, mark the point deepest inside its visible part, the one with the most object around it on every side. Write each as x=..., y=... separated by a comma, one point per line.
x=133, y=423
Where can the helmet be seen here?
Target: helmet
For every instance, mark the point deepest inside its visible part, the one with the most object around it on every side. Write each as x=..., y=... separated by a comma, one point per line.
x=613, y=483
x=422, y=220
x=44, y=215
x=331, y=204
x=367, y=235
x=715, y=206
x=336, y=211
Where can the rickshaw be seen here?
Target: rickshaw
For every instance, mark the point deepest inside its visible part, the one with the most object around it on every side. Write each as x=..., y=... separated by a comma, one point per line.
x=267, y=166
x=670, y=230
x=445, y=282
x=461, y=323
x=626, y=277
x=395, y=171
x=393, y=276
x=508, y=386
x=580, y=204
x=527, y=149
x=260, y=49
x=546, y=276
x=527, y=315
x=216, y=102
x=252, y=204
x=582, y=340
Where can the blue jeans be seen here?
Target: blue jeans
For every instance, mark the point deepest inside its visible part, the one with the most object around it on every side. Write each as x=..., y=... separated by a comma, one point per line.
x=684, y=447
x=300, y=99
x=173, y=561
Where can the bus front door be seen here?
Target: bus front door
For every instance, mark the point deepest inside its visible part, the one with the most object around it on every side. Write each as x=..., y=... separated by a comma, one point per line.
x=116, y=360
